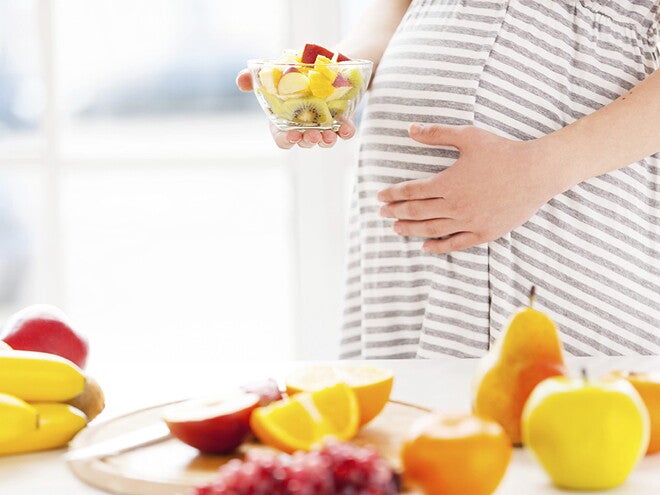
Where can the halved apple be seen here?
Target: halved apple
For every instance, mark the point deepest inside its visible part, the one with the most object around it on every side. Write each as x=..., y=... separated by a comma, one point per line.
x=215, y=425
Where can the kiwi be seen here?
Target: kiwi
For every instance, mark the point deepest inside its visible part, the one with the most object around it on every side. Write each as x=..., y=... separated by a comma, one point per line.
x=307, y=112
x=354, y=76
x=337, y=107
x=273, y=102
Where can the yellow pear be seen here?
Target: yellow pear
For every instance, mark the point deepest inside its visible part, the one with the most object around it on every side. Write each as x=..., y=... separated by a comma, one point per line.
x=527, y=352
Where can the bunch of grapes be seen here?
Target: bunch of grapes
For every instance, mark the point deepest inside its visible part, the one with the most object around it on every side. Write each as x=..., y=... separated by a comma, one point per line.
x=335, y=469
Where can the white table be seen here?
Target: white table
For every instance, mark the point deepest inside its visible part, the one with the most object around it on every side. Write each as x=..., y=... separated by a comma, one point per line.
x=440, y=384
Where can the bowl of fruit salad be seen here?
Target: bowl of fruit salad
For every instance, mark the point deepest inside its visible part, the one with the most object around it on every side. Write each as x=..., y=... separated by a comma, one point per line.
x=309, y=89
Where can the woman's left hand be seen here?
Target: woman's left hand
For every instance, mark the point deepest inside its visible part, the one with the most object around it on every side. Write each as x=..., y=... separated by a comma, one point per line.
x=495, y=186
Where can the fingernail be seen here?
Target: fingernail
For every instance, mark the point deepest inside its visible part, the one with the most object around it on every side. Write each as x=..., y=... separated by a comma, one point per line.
x=416, y=128
x=344, y=132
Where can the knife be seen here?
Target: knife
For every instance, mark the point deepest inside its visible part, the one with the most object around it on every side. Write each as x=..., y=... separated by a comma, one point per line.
x=142, y=437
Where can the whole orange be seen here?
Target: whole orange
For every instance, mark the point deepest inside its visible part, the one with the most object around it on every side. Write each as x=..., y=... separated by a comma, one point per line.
x=455, y=454
x=648, y=386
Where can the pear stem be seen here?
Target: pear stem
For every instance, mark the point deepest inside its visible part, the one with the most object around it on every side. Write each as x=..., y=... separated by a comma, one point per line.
x=532, y=295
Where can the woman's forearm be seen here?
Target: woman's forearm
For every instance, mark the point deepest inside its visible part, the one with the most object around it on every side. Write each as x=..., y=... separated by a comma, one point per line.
x=370, y=36
x=618, y=134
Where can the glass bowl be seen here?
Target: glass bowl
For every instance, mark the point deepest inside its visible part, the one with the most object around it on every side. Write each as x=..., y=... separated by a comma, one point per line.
x=298, y=96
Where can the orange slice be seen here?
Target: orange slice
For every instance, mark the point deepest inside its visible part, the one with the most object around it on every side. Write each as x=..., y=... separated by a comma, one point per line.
x=298, y=423
x=371, y=385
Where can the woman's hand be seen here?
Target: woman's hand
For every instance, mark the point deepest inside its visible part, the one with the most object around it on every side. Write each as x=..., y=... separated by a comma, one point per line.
x=496, y=185
x=307, y=139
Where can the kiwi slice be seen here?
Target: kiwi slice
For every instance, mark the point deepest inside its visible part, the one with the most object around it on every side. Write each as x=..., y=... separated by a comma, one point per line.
x=307, y=112
x=337, y=107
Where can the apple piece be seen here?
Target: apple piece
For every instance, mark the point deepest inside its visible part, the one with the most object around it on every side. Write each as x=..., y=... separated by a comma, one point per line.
x=269, y=78
x=341, y=81
x=293, y=82
x=45, y=328
x=311, y=51
x=215, y=425
x=587, y=434
x=291, y=69
x=339, y=93
x=268, y=390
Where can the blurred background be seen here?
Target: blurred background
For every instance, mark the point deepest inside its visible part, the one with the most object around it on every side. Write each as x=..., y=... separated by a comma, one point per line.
x=140, y=190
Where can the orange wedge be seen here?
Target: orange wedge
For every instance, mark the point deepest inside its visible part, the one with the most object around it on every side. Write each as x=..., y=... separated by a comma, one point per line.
x=298, y=423
x=371, y=385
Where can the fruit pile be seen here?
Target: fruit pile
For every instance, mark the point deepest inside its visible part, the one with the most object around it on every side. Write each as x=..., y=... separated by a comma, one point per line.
x=313, y=88
x=587, y=434
x=333, y=469
x=45, y=398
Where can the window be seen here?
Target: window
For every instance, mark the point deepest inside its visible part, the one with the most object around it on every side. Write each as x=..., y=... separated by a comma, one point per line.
x=141, y=192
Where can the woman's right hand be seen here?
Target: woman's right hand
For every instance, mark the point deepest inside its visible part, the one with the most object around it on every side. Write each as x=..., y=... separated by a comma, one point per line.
x=306, y=139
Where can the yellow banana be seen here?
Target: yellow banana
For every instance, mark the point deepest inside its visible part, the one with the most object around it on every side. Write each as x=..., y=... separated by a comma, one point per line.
x=58, y=423
x=39, y=377
x=16, y=417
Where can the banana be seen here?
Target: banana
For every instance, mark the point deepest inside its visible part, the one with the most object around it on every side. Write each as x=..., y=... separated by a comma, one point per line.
x=39, y=377
x=16, y=417
x=58, y=423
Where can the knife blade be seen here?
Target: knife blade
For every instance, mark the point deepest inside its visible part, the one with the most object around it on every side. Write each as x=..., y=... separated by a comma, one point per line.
x=125, y=442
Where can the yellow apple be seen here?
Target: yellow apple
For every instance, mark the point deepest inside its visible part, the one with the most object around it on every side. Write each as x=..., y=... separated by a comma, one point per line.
x=587, y=434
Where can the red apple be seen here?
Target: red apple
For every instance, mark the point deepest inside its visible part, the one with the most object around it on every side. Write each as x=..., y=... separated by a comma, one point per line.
x=341, y=81
x=310, y=52
x=45, y=328
x=215, y=425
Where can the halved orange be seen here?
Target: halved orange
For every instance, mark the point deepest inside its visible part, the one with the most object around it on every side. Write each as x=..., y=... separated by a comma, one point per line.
x=372, y=385
x=298, y=423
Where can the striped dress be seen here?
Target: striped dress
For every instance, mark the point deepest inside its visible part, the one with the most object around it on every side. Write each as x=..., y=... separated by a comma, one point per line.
x=520, y=69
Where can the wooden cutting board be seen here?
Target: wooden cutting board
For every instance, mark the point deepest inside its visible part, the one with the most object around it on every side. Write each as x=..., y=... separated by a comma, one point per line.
x=172, y=468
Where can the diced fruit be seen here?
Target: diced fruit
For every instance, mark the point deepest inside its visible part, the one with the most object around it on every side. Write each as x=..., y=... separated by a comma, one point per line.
x=300, y=422
x=274, y=103
x=322, y=66
x=356, y=80
x=215, y=425
x=341, y=81
x=270, y=78
x=339, y=94
x=334, y=469
x=16, y=417
x=371, y=385
x=337, y=107
x=455, y=454
x=45, y=328
x=307, y=111
x=311, y=51
x=293, y=82
x=319, y=85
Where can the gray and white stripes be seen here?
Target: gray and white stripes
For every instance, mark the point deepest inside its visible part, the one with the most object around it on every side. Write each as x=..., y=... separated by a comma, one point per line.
x=520, y=69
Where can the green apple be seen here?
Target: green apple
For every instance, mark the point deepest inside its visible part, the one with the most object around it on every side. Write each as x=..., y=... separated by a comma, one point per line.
x=587, y=434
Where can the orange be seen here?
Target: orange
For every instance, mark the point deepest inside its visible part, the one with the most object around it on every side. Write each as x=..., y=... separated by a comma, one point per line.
x=371, y=385
x=455, y=454
x=648, y=387
x=299, y=422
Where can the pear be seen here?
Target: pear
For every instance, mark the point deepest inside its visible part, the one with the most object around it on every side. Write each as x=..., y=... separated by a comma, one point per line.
x=527, y=352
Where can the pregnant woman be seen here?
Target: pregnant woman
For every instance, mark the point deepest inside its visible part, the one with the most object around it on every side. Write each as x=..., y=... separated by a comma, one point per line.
x=504, y=144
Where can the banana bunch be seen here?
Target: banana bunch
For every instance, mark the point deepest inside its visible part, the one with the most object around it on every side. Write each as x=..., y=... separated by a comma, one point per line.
x=35, y=391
